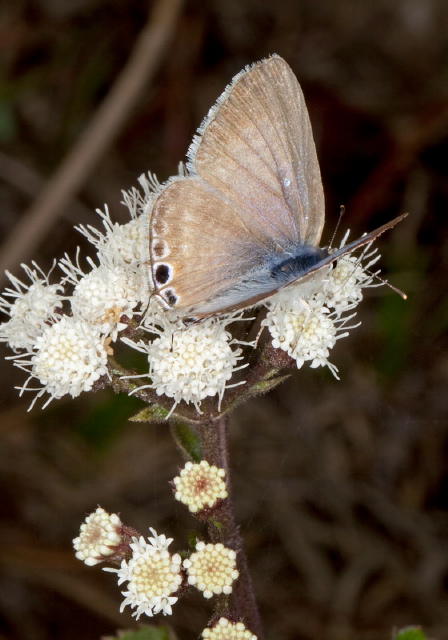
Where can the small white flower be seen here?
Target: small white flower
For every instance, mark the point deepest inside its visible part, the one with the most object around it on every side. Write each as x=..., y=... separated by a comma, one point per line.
x=69, y=357
x=305, y=331
x=153, y=575
x=99, y=536
x=190, y=363
x=122, y=248
x=347, y=279
x=159, y=542
x=226, y=630
x=31, y=308
x=212, y=569
x=121, y=242
x=200, y=485
x=103, y=295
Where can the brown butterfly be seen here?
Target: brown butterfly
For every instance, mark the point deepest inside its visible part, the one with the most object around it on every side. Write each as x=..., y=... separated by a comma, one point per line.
x=246, y=218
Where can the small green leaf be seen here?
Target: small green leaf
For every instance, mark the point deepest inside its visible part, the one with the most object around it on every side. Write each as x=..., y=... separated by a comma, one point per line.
x=192, y=539
x=410, y=633
x=265, y=385
x=152, y=413
x=262, y=386
x=145, y=633
x=187, y=440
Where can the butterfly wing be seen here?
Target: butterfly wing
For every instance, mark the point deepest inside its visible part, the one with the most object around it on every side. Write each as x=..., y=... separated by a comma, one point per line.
x=200, y=247
x=256, y=147
x=253, y=190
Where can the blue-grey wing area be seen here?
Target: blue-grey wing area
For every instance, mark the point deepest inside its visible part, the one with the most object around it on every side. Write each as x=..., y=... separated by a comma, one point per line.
x=256, y=148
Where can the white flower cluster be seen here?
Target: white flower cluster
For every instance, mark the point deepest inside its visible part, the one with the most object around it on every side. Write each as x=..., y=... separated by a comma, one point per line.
x=226, y=630
x=152, y=573
x=212, y=569
x=62, y=339
x=30, y=307
x=99, y=537
x=200, y=485
x=153, y=576
x=306, y=320
x=190, y=363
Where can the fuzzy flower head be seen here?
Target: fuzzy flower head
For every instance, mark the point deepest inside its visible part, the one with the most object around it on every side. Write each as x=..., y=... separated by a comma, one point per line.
x=99, y=536
x=122, y=246
x=306, y=333
x=226, y=630
x=212, y=569
x=69, y=357
x=111, y=290
x=153, y=576
x=190, y=363
x=30, y=307
x=200, y=485
x=345, y=282
x=103, y=296
x=124, y=241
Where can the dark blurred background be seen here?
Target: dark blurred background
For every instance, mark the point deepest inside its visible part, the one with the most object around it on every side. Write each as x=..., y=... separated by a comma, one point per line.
x=340, y=487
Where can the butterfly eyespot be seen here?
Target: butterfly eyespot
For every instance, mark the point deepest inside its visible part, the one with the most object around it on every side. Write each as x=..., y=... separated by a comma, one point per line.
x=159, y=249
x=170, y=297
x=162, y=274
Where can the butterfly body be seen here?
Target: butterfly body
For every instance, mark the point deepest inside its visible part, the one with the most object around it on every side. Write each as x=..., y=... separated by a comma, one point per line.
x=246, y=217
x=293, y=267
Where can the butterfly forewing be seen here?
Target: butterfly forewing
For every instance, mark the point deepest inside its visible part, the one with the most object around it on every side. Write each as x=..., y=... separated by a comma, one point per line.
x=256, y=147
x=198, y=243
x=254, y=190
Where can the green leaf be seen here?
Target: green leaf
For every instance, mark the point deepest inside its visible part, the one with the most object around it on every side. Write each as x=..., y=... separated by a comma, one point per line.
x=265, y=385
x=187, y=440
x=262, y=386
x=410, y=633
x=152, y=413
x=145, y=633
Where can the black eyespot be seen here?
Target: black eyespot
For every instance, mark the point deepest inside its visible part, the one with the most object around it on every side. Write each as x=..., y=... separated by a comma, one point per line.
x=189, y=321
x=163, y=274
x=170, y=297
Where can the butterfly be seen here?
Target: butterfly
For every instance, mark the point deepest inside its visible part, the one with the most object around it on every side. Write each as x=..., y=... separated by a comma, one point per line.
x=245, y=218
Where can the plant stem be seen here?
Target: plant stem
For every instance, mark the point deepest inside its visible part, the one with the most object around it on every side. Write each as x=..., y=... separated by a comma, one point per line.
x=213, y=435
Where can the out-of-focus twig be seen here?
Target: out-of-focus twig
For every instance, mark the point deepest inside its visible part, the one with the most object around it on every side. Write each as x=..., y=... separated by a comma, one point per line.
x=98, y=135
x=58, y=571
x=31, y=183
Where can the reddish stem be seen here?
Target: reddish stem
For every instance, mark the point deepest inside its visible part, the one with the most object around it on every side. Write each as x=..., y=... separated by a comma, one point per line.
x=213, y=437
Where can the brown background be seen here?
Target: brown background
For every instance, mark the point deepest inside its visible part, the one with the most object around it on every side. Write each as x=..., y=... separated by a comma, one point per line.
x=341, y=487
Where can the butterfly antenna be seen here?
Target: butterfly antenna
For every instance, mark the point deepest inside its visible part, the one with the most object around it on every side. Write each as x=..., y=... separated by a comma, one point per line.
x=372, y=273
x=338, y=223
x=388, y=284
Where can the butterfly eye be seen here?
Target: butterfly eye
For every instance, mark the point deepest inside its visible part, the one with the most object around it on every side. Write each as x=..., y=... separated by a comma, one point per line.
x=163, y=273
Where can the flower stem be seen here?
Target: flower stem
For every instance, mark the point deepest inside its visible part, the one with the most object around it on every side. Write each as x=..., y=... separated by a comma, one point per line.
x=213, y=436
